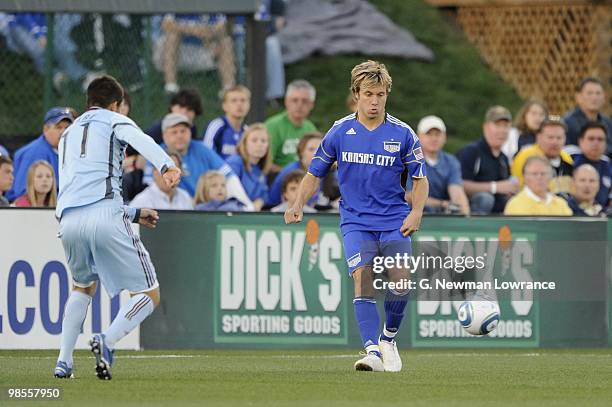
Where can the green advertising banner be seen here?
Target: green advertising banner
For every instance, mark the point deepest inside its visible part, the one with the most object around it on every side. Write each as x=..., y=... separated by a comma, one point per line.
x=280, y=285
x=508, y=259
x=249, y=280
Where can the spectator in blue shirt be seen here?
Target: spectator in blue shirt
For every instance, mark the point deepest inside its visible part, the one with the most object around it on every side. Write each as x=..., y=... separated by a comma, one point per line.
x=253, y=162
x=591, y=99
x=223, y=133
x=44, y=147
x=485, y=169
x=197, y=158
x=306, y=149
x=592, y=143
x=186, y=102
x=446, y=194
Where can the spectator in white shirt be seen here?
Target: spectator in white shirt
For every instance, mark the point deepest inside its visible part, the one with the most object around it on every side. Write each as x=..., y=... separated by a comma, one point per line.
x=159, y=196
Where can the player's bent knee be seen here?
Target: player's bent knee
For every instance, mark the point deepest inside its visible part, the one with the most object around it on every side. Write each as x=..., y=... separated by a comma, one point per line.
x=153, y=294
x=363, y=281
x=89, y=290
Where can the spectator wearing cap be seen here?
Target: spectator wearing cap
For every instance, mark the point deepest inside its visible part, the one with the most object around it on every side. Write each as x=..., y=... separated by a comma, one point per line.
x=187, y=102
x=549, y=144
x=485, y=169
x=590, y=100
x=44, y=147
x=583, y=198
x=197, y=159
x=592, y=143
x=446, y=194
x=6, y=177
x=535, y=199
x=3, y=151
x=158, y=195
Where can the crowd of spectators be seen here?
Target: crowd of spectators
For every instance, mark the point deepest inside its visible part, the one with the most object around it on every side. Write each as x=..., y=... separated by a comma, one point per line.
x=532, y=166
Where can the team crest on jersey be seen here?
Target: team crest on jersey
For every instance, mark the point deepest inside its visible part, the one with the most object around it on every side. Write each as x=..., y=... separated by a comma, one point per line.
x=354, y=260
x=392, y=146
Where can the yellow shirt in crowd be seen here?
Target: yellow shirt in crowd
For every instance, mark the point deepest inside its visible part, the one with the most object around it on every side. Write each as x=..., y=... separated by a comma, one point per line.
x=558, y=184
x=527, y=203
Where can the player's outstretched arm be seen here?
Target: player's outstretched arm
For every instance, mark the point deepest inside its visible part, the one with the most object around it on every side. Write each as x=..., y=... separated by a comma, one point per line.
x=420, y=192
x=308, y=187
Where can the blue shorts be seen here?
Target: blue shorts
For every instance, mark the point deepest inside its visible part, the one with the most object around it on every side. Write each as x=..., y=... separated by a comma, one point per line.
x=360, y=247
x=100, y=245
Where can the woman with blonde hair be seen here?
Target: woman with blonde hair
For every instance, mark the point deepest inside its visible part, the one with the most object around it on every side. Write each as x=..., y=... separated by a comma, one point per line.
x=40, y=187
x=211, y=194
x=253, y=162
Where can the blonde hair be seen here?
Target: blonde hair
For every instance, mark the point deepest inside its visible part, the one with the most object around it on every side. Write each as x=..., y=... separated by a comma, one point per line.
x=370, y=73
x=50, y=200
x=236, y=88
x=203, y=187
x=266, y=161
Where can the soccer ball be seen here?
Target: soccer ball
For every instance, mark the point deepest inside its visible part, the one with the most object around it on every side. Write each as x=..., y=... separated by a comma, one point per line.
x=479, y=317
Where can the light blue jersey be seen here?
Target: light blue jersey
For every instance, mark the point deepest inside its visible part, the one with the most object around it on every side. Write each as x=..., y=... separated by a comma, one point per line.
x=91, y=152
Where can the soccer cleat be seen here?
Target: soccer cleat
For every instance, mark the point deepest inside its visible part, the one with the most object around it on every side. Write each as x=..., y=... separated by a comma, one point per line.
x=390, y=356
x=103, y=355
x=370, y=363
x=62, y=371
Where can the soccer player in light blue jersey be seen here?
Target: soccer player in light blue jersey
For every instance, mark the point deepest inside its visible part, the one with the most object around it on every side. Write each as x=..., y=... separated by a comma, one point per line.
x=372, y=149
x=94, y=226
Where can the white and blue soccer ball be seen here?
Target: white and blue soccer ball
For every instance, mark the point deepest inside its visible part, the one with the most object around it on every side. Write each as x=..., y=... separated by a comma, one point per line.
x=479, y=317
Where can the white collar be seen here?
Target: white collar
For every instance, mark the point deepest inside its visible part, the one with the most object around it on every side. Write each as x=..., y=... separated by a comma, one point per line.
x=536, y=198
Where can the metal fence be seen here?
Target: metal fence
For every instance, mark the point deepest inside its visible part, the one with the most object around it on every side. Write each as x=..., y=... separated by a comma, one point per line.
x=47, y=59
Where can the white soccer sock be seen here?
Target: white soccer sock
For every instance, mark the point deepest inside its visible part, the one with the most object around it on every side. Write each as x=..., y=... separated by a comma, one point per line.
x=388, y=334
x=129, y=317
x=74, y=316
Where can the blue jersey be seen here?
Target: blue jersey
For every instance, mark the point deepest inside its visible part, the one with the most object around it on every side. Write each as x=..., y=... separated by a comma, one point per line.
x=221, y=137
x=370, y=167
x=91, y=152
x=254, y=181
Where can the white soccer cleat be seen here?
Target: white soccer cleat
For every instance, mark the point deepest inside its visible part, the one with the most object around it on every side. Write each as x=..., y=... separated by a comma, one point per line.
x=390, y=356
x=370, y=363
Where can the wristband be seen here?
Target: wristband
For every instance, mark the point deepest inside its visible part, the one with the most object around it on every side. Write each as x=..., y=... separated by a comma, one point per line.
x=136, y=216
x=494, y=187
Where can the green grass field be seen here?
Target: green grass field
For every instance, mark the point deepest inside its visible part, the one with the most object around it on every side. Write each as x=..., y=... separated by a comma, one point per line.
x=320, y=378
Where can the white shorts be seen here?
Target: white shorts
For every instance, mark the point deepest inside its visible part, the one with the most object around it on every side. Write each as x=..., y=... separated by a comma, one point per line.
x=100, y=245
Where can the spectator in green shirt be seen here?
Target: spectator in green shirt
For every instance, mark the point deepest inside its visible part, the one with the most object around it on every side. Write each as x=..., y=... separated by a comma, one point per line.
x=287, y=128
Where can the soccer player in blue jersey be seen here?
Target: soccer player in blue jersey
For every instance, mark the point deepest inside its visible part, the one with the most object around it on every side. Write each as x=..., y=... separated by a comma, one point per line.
x=372, y=149
x=94, y=226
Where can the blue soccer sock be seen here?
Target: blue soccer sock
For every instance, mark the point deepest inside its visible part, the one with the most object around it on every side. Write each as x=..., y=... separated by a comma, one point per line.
x=395, y=304
x=368, y=320
x=129, y=317
x=75, y=312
